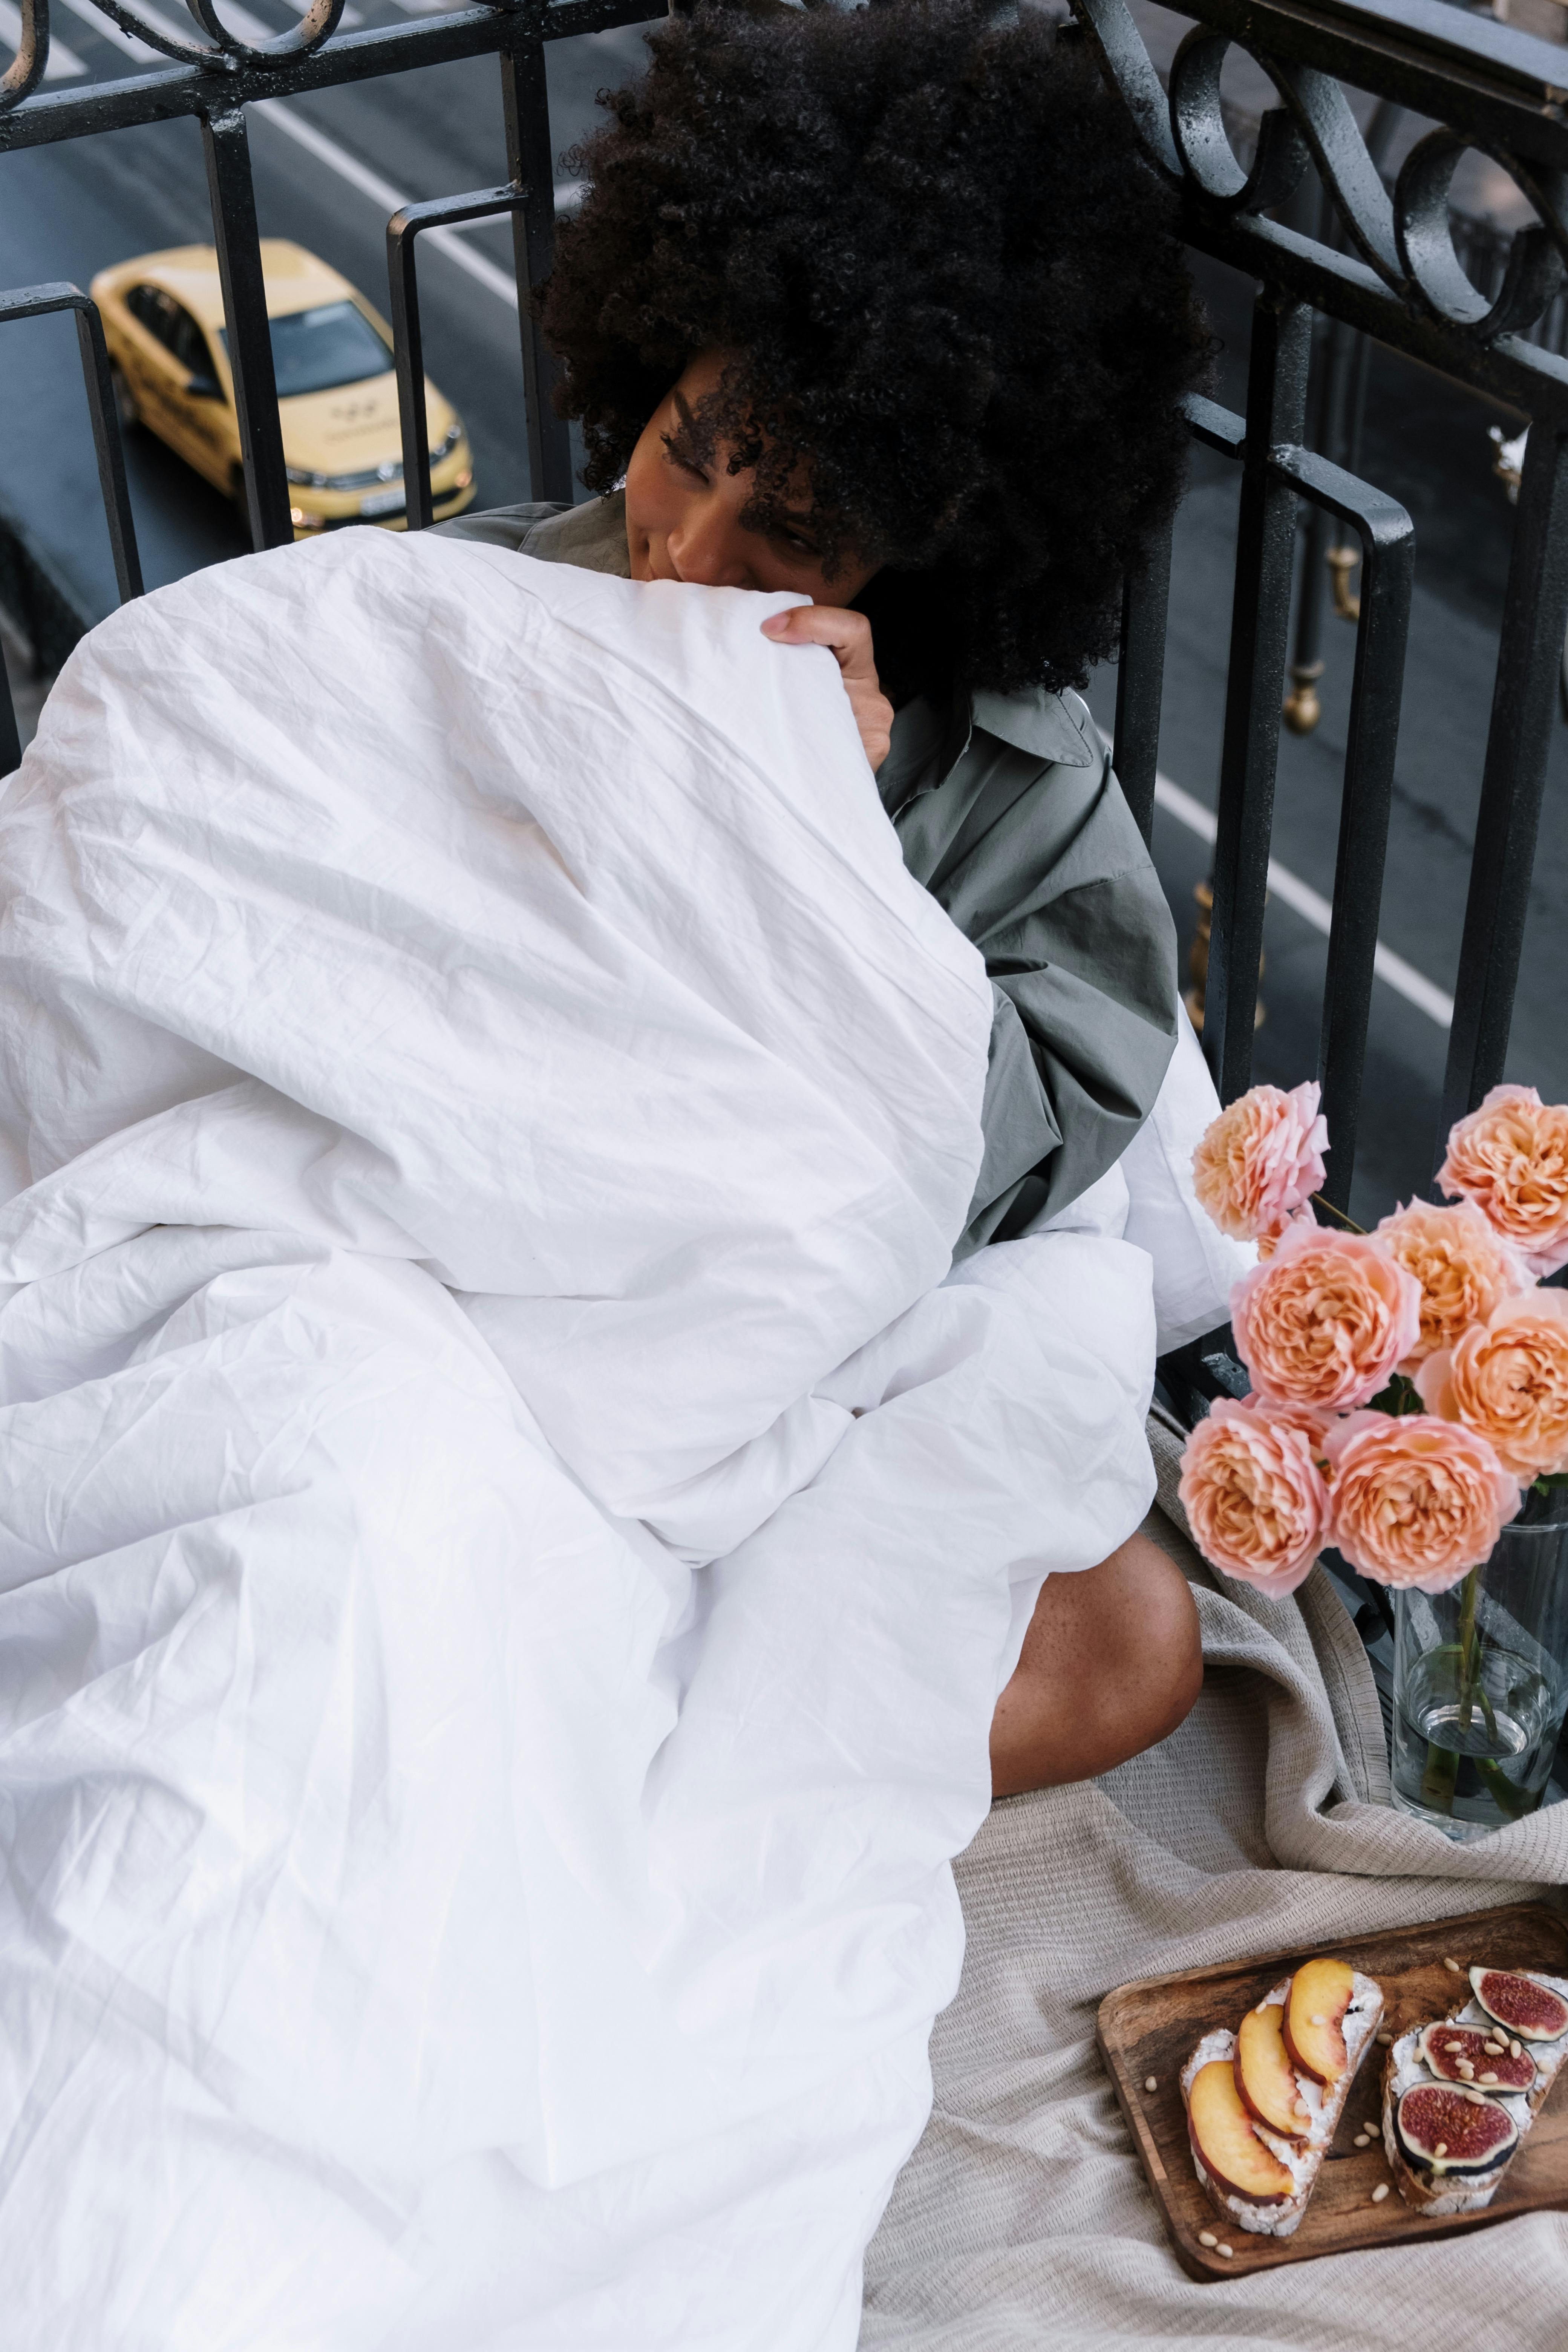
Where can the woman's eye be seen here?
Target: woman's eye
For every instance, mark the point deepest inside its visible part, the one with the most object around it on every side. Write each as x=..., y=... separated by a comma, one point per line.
x=795, y=544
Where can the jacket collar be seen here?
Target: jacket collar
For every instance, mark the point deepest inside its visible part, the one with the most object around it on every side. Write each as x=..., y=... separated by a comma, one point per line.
x=922, y=754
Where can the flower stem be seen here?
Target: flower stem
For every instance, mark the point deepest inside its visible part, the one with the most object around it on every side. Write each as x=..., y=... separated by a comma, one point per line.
x=1346, y=1224
x=1440, y=1777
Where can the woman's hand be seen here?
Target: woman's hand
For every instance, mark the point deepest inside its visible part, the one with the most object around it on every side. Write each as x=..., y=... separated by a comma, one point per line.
x=848, y=636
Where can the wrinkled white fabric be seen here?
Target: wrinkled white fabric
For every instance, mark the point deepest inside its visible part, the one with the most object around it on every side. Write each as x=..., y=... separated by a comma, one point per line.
x=509, y=1538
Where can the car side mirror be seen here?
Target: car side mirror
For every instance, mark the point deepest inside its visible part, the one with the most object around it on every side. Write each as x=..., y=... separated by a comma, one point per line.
x=205, y=387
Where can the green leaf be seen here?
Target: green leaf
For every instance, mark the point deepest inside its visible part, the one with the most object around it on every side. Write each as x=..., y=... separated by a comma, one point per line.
x=1401, y=1396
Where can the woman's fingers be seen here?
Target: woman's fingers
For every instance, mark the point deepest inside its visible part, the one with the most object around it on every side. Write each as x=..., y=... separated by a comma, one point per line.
x=848, y=636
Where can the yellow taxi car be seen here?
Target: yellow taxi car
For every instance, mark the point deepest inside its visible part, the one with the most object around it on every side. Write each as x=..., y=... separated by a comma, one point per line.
x=337, y=394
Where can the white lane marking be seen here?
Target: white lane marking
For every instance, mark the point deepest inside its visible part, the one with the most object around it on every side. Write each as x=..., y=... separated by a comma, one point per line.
x=1303, y=900
x=108, y=30
x=63, y=62
x=382, y=192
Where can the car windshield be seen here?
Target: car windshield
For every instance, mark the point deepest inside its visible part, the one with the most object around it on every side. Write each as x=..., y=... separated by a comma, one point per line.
x=316, y=351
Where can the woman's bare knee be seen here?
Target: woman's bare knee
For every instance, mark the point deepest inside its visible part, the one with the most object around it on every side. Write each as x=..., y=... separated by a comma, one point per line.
x=1110, y=1665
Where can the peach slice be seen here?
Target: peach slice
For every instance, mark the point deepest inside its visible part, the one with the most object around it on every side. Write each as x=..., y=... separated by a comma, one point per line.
x=1264, y=2076
x=1225, y=2142
x=1319, y=1996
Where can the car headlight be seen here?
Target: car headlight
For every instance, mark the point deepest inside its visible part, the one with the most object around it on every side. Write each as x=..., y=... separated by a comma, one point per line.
x=448, y=445
x=306, y=481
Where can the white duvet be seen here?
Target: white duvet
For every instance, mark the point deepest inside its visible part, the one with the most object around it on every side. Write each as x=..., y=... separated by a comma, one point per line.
x=509, y=1543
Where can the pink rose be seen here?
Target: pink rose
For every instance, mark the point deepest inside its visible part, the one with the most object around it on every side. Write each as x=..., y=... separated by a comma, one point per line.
x=1415, y=1501
x=1508, y=1379
x=1326, y=1320
x=1260, y=1161
x=1465, y=1269
x=1511, y=1157
x=1254, y=1495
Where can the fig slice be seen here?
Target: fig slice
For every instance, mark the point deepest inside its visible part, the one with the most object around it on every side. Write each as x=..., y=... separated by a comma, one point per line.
x=1447, y=2049
x=1529, y=2010
x=1474, y=2134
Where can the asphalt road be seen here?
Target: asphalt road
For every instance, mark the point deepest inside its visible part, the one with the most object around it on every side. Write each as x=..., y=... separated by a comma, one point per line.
x=70, y=210
x=66, y=212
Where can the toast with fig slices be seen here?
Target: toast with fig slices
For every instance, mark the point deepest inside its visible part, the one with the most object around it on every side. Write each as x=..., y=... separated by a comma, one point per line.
x=1263, y=2102
x=1459, y=2094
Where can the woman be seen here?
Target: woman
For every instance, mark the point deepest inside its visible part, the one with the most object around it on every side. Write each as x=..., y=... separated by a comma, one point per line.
x=883, y=307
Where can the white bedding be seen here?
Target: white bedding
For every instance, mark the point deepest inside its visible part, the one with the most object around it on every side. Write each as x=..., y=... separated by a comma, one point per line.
x=508, y=1538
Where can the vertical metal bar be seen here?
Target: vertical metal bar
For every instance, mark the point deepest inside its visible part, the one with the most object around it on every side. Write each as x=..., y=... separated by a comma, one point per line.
x=235, y=232
x=525, y=102
x=1388, y=572
x=111, y=455
x=1260, y=620
x=10, y=733
x=1140, y=677
x=1534, y=620
x=408, y=357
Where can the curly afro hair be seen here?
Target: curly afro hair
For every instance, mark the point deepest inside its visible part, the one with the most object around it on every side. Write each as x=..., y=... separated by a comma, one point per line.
x=951, y=285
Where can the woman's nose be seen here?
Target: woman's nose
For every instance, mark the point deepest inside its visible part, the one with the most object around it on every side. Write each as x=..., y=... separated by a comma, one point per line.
x=708, y=550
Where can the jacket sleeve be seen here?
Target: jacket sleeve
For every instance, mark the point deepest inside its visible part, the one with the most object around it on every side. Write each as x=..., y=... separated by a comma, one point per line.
x=1050, y=878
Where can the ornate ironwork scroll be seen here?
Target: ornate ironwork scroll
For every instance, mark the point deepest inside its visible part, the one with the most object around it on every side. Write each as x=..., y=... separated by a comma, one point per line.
x=1393, y=272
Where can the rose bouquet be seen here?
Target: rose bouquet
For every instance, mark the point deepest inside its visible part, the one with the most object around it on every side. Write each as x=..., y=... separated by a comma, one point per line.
x=1408, y=1386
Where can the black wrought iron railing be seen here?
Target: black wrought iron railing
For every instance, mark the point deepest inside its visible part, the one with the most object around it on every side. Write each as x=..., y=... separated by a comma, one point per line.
x=1382, y=263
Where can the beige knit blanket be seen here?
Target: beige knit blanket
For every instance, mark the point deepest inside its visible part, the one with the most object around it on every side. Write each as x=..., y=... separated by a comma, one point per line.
x=1022, y=2220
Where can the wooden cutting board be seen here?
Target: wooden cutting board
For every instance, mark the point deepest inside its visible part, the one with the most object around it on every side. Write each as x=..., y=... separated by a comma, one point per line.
x=1152, y=2026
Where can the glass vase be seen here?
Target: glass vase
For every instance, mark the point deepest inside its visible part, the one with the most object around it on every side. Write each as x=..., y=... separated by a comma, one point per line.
x=1480, y=1680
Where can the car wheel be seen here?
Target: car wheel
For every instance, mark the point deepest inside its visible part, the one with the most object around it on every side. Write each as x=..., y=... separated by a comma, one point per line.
x=125, y=407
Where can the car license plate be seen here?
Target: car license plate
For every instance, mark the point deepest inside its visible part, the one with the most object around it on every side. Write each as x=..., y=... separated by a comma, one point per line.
x=382, y=502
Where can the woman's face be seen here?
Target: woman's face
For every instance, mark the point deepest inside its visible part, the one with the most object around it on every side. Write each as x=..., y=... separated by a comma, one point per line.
x=683, y=515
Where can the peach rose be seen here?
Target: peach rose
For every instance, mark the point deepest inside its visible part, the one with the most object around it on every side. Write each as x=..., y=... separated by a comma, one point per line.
x=1511, y=1157
x=1326, y=1320
x=1415, y=1501
x=1464, y=1269
x=1253, y=1494
x=1260, y=1159
x=1508, y=1379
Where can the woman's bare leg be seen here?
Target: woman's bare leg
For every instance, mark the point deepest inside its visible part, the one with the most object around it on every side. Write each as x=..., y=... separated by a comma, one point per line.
x=1110, y=1665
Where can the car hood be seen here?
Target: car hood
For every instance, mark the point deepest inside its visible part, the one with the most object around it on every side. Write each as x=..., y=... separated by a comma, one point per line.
x=354, y=428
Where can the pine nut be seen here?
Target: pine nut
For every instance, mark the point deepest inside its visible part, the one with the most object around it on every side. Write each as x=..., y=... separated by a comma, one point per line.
x=1466, y=2067
x=1380, y=2192
x=1457, y=1970
x=1361, y=2139
x=1207, y=2238
x=1488, y=2078
x=1227, y=2251
x=1515, y=2049
x=1441, y=2148
x=1151, y=2082
x=1386, y=2039
x=1450, y=2047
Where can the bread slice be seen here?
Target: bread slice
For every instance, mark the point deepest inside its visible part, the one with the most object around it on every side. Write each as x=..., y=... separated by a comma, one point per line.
x=1302, y=2159
x=1428, y=2187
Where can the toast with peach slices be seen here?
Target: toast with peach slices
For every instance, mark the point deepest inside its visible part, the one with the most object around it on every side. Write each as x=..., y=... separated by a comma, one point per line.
x=1263, y=2103
x=1459, y=2094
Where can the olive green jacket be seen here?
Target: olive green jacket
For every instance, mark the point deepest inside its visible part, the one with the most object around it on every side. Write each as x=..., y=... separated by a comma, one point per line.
x=1021, y=832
